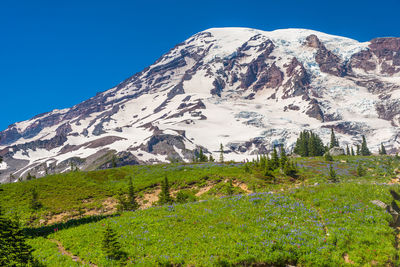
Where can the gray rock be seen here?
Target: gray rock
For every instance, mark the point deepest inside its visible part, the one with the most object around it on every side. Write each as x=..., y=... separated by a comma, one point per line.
x=336, y=151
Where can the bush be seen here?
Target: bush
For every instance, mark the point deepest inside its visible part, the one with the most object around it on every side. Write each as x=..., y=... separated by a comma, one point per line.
x=185, y=196
x=332, y=176
x=328, y=157
x=360, y=170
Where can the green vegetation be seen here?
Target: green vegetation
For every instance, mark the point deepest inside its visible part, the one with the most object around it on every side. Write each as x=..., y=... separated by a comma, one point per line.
x=309, y=144
x=276, y=210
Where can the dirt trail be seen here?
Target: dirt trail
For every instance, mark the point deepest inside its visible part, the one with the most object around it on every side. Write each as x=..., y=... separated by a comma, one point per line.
x=63, y=251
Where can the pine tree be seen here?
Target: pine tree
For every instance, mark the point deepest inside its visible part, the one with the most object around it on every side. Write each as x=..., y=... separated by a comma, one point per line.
x=132, y=203
x=113, y=161
x=328, y=156
x=274, y=159
x=364, y=148
x=382, y=150
x=13, y=248
x=35, y=203
x=290, y=169
x=283, y=157
x=201, y=157
x=352, y=151
x=263, y=161
x=165, y=196
x=221, y=155
x=347, y=150
x=358, y=150
x=332, y=177
x=30, y=177
x=211, y=158
x=229, y=188
x=360, y=170
x=334, y=142
x=309, y=145
x=111, y=246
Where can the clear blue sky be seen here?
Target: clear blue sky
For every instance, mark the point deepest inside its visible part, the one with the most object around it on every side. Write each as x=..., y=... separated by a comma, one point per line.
x=55, y=54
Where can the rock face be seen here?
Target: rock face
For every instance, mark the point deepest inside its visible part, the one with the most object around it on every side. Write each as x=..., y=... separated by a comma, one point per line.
x=245, y=88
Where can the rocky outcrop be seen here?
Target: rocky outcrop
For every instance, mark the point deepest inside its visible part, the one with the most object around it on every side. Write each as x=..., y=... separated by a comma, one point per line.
x=382, y=52
x=315, y=111
x=328, y=62
x=298, y=81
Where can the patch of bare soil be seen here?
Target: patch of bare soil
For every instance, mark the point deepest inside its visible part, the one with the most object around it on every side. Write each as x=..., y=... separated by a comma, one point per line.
x=109, y=206
x=347, y=259
x=205, y=189
x=149, y=198
x=242, y=186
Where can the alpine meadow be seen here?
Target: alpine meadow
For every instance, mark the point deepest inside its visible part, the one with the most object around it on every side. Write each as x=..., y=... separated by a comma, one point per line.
x=237, y=147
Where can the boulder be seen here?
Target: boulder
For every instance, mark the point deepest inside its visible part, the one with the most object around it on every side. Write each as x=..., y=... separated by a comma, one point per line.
x=336, y=151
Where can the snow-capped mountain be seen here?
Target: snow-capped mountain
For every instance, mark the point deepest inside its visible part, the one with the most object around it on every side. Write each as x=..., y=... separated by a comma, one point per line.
x=245, y=88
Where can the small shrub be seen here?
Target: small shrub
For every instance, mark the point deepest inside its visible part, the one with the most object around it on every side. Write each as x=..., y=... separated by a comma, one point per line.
x=328, y=157
x=185, y=196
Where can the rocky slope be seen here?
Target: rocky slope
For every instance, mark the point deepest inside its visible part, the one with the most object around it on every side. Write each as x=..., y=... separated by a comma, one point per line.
x=245, y=88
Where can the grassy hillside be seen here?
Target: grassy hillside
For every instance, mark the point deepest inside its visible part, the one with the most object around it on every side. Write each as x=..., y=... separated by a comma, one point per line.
x=269, y=218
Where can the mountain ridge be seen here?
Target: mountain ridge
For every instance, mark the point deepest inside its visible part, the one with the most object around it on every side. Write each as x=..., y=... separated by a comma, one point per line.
x=245, y=88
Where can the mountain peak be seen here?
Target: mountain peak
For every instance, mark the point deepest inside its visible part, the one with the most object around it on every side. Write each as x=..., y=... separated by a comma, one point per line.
x=245, y=88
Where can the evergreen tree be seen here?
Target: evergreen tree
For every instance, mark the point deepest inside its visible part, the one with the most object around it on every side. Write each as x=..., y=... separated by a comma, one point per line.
x=334, y=142
x=221, y=155
x=358, y=150
x=30, y=177
x=229, y=188
x=332, y=177
x=13, y=248
x=382, y=150
x=113, y=161
x=247, y=168
x=200, y=157
x=274, y=159
x=283, y=157
x=360, y=170
x=309, y=145
x=301, y=147
x=35, y=203
x=328, y=156
x=364, y=148
x=263, y=161
x=290, y=169
x=211, y=158
x=347, y=150
x=352, y=151
x=165, y=196
x=132, y=203
x=111, y=246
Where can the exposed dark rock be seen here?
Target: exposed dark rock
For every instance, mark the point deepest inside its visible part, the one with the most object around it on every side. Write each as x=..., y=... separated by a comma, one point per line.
x=219, y=85
x=299, y=80
x=49, y=144
x=362, y=60
x=121, y=159
x=328, y=62
x=257, y=66
x=64, y=129
x=388, y=109
x=315, y=111
x=272, y=77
